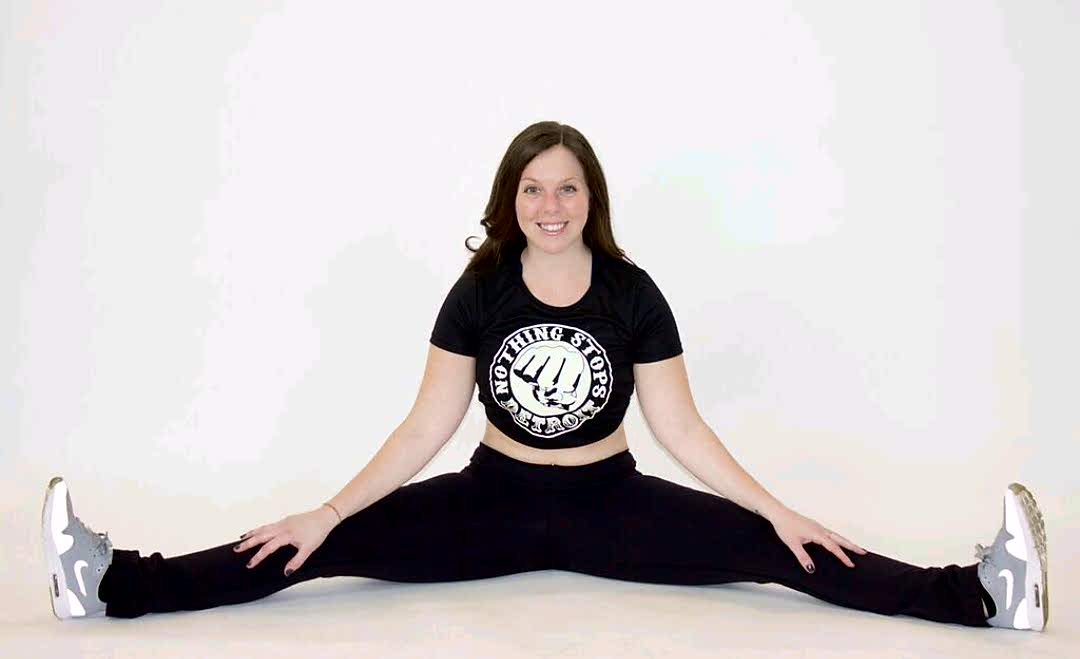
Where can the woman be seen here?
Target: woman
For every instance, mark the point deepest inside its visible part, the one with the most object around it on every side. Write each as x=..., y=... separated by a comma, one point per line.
x=555, y=326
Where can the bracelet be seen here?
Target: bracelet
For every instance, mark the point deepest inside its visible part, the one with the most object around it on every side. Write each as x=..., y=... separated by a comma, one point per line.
x=339, y=518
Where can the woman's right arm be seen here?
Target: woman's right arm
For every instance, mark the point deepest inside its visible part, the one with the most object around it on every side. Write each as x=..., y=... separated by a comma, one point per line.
x=440, y=406
x=445, y=392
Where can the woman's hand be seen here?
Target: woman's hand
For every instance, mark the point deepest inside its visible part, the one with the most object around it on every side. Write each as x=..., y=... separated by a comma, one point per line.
x=796, y=530
x=305, y=531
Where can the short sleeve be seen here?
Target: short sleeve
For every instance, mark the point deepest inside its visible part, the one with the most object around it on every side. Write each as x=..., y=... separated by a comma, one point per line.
x=656, y=336
x=456, y=324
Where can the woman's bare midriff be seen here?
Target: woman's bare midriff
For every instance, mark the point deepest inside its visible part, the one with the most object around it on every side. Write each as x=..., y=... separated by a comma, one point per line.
x=566, y=457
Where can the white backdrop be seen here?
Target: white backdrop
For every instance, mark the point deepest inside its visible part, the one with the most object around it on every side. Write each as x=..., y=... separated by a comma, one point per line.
x=227, y=227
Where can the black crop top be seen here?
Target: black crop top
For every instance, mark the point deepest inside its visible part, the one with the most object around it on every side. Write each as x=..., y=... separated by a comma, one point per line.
x=557, y=377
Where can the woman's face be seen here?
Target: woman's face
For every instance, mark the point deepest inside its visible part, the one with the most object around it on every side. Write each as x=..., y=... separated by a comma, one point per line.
x=552, y=191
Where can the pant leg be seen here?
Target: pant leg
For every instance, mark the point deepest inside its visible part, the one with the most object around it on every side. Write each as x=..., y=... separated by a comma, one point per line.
x=644, y=528
x=450, y=527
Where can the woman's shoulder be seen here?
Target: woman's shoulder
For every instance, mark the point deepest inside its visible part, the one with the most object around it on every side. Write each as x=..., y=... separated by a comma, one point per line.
x=628, y=272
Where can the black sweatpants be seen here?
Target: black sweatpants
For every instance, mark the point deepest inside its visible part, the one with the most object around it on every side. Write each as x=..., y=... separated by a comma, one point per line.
x=501, y=516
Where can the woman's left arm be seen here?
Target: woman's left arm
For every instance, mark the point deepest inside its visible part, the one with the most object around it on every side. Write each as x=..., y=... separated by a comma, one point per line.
x=663, y=390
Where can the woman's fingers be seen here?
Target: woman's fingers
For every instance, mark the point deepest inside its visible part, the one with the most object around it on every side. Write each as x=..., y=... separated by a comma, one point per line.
x=802, y=556
x=253, y=531
x=267, y=549
x=256, y=537
x=251, y=541
x=828, y=543
x=847, y=543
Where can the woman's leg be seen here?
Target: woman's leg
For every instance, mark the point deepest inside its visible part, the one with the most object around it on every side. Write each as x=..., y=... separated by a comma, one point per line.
x=644, y=528
x=449, y=527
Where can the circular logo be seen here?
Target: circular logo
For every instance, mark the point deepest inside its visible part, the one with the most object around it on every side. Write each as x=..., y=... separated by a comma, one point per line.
x=551, y=378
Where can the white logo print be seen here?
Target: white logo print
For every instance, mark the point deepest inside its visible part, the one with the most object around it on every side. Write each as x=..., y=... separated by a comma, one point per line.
x=79, y=565
x=551, y=378
x=1007, y=575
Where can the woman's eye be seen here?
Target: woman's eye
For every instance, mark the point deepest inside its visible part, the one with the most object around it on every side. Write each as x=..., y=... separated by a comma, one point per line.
x=533, y=187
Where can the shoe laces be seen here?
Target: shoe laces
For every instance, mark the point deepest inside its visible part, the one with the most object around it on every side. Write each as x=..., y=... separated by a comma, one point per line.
x=982, y=553
x=101, y=544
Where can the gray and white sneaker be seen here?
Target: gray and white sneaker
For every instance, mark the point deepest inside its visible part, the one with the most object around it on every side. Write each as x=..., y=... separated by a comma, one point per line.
x=75, y=554
x=1013, y=569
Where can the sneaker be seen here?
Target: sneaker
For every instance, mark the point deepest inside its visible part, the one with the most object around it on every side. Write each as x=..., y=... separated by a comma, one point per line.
x=75, y=554
x=1013, y=569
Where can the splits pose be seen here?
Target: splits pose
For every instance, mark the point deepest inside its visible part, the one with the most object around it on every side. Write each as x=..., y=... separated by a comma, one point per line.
x=555, y=329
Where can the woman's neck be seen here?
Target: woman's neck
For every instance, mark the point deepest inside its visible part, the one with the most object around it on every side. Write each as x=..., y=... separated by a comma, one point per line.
x=566, y=265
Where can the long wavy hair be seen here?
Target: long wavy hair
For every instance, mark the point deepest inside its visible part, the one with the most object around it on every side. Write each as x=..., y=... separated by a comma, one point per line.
x=504, y=236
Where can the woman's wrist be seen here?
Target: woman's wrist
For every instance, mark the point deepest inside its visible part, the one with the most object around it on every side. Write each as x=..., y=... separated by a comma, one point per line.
x=773, y=509
x=334, y=516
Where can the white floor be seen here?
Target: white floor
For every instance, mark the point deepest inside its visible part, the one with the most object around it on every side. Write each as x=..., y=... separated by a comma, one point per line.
x=538, y=614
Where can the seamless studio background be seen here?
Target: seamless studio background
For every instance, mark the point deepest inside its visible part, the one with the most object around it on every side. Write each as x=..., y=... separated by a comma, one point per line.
x=225, y=230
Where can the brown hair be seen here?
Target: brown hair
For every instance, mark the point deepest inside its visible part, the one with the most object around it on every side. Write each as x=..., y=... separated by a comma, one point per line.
x=500, y=218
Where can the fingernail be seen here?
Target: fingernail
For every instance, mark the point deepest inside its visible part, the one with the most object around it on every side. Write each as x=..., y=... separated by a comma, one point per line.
x=810, y=568
x=288, y=572
x=249, y=564
x=236, y=548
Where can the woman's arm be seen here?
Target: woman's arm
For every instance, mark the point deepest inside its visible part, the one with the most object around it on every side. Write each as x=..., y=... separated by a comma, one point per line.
x=444, y=396
x=664, y=395
x=702, y=452
x=443, y=399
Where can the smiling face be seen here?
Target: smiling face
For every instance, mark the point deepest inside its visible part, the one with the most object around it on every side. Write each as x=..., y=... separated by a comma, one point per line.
x=552, y=192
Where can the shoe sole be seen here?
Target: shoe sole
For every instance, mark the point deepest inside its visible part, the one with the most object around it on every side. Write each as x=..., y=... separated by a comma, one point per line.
x=58, y=587
x=1034, y=531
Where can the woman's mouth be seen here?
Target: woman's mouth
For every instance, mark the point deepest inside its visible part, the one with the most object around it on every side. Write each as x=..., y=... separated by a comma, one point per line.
x=552, y=229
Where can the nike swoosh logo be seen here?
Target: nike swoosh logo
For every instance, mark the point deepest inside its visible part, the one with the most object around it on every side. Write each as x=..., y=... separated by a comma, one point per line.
x=79, y=565
x=1007, y=575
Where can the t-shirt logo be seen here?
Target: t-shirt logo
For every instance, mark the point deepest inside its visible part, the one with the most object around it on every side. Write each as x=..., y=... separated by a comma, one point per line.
x=551, y=378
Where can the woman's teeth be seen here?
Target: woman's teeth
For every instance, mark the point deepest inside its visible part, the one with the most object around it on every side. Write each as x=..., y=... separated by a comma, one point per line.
x=552, y=229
